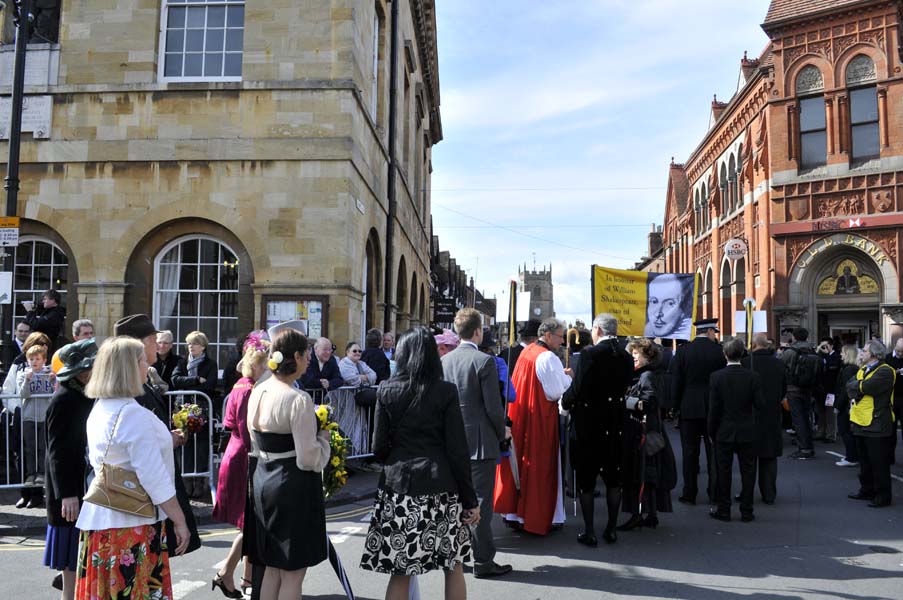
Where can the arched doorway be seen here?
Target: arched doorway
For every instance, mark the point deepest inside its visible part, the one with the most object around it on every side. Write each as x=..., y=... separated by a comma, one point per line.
x=839, y=285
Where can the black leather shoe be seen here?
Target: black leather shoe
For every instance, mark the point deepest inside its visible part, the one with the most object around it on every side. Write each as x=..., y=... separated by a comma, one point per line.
x=634, y=522
x=650, y=522
x=35, y=503
x=720, y=516
x=588, y=539
x=687, y=500
x=879, y=503
x=496, y=570
x=610, y=536
x=57, y=582
x=860, y=496
x=746, y=518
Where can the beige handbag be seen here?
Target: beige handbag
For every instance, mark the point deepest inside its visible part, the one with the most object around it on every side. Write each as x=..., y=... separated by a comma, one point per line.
x=119, y=489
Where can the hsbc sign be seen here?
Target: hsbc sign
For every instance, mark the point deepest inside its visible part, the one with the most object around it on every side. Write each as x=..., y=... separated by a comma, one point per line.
x=735, y=249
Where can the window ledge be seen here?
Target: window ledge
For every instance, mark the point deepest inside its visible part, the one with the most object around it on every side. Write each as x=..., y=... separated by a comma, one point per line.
x=866, y=165
x=43, y=64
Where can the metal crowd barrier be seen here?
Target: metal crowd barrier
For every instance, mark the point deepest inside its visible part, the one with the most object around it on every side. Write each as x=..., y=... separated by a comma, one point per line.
x=197, y=455
x=23, y=441
x=356, y=422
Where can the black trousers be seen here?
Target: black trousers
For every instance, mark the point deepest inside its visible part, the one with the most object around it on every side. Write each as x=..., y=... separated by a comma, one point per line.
x=874, y=466
x=768, y=478
x=725, y=452
x=692, y=432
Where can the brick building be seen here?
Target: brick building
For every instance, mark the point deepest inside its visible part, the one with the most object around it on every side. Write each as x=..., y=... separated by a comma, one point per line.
x=805, y=164
x=222, y=164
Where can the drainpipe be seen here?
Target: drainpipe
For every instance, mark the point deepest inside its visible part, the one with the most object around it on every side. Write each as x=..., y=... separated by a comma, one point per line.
x=393, y=208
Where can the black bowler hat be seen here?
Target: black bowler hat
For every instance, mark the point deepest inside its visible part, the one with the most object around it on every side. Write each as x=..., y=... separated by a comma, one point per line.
x=530, y=329
x=488, y=339
x=136, y=326
x=703, y=325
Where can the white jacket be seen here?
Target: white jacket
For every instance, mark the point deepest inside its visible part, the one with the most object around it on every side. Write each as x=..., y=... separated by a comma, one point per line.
x=141, y=443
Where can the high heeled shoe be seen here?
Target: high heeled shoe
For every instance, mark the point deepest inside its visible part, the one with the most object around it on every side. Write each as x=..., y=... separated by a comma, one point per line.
x=217, y=582
x=246, y=587
x=634, y=522
x=650, y=521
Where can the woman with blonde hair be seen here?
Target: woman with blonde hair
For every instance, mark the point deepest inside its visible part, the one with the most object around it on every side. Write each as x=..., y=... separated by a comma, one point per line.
x=231, y=489
x=289, y=511
x=849, y=354
x=124, y=434
x=198, y=372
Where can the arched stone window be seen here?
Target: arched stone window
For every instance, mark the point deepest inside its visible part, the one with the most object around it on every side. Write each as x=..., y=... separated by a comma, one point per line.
x=861, y=77
x=196, y=288
x=39, y=266
x=732, y=180
x=810, y=88
x=725, y=192
x=706, y=213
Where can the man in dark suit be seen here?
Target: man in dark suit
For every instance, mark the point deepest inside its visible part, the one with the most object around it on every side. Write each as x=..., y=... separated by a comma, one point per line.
x=691, y=367
x=477, y=379
x=323, y=372
x=735, y=397
x=769, y=444
x=526, y=336
x=596, y=402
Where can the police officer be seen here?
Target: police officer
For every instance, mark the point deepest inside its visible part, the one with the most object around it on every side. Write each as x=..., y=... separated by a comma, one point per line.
x=691, y=367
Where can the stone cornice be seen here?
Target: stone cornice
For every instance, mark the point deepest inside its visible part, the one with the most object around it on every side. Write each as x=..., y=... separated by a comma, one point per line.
x=424, y=12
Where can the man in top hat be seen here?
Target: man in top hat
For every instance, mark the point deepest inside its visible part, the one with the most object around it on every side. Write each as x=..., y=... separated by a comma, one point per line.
x=142, y=328
x=528, y=334
x=691, y=368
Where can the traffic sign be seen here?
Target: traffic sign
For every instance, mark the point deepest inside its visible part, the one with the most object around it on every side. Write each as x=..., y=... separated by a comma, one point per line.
x=9, y=231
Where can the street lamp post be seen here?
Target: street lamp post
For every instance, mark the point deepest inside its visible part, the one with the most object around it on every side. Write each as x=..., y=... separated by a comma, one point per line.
x=21, y=11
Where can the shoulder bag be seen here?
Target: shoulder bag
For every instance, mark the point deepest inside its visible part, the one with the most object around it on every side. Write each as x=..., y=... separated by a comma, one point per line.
x=365, y=395
x=119, y=489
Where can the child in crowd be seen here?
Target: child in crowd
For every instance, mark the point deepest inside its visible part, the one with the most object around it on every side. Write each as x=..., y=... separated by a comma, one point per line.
x=36, y=379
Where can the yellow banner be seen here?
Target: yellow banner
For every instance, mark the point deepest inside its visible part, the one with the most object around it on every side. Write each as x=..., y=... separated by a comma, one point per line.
x=653, y=305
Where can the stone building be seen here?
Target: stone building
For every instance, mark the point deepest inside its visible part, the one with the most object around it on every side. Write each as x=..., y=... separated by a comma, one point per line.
x=805, y=165
x=539, y=284
x=224, y=164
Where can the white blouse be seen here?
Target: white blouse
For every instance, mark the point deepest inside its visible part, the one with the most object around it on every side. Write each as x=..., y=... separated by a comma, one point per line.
x=551, y=375
x=141, y=443
x=278, y=408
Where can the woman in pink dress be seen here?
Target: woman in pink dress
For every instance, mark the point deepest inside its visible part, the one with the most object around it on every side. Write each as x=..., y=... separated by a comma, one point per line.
x=232, y=487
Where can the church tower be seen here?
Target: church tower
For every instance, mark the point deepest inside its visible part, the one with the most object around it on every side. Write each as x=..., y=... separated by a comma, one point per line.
x=539, y=284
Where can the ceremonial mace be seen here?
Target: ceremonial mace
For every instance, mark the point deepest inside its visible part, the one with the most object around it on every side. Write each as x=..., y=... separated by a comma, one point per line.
x=567, y=336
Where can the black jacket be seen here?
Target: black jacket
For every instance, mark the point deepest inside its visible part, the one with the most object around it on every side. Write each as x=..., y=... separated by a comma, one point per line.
x=511, y=358
x=313, y=375
x=422, y=443
x=207, y=369
x=897, y=364
x=691, y=367
x=841, y=397
x=773, y=375
x=601, y=377
x=735, y=397
x=376, y=360
x=830, y=367
x=67, y=443
x=48, y=321
x=166, y=366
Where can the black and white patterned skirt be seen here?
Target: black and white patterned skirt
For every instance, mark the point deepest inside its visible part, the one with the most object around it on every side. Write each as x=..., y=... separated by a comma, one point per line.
x=410, y=535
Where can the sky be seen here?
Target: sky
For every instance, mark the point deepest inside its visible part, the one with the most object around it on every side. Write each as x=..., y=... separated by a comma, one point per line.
x=560, y=120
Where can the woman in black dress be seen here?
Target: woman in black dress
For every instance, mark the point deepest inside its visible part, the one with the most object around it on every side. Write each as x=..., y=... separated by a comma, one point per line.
x=649, y=469
x=65, y=465
x=425, y=502
x=289, y=511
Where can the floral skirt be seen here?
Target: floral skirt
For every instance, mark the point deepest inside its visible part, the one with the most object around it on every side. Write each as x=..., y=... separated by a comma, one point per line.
x=410, y=535
x=127, y=563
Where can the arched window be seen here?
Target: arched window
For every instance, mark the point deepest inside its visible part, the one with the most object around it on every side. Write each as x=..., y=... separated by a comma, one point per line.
x=813, y=125
x=732, y=180
x=706, y=214
x=861, y=78
x=697, y=211
x=196, y=289
x=723, y=185
x=739, y=174
x=39, y=266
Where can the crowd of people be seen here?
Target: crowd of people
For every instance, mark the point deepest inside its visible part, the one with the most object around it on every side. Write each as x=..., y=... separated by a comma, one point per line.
x=458, y=441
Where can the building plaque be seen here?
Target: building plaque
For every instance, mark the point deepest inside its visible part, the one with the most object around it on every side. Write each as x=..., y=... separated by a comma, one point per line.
x=36, y=116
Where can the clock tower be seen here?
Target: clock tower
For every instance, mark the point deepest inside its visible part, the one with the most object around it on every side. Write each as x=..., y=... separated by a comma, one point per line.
x=539, y=284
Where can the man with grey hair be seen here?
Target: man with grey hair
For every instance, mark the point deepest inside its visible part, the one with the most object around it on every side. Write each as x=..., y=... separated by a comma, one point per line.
x=535, y=504
x=83, y=329
x=871, y=419
x=322, y=372
x=596, y=402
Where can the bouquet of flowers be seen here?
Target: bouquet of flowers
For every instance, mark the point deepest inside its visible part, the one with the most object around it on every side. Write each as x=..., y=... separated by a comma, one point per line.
x=189, y=418
x=335, y=476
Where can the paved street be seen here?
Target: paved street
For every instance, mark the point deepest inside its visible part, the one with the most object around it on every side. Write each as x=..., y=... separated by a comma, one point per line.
x=813, y=544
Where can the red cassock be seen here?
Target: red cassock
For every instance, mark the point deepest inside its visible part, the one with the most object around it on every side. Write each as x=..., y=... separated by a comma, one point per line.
x=535, y=437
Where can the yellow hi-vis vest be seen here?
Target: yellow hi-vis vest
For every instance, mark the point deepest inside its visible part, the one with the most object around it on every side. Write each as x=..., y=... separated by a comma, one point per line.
x=864, y=409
